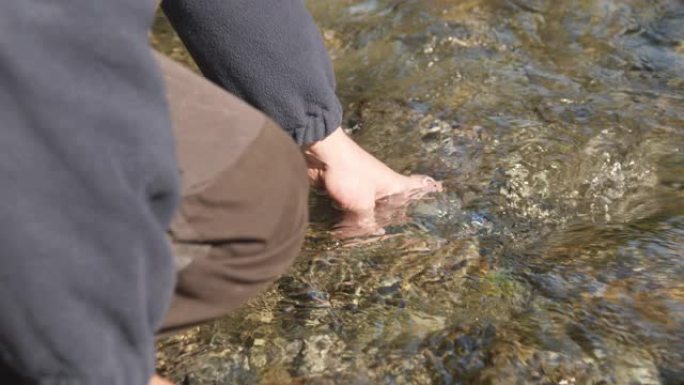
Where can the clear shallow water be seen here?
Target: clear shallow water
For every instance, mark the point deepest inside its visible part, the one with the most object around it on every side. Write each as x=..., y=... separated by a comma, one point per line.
x=556, y=256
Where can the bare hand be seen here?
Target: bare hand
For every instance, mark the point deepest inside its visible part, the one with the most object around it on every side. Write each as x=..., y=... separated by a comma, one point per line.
x=356, y=180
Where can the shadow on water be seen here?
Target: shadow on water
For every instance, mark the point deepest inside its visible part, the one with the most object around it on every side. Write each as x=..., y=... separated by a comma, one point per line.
x=556, y=256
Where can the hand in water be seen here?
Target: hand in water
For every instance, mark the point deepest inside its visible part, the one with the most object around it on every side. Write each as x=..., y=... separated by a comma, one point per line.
x=359, y=183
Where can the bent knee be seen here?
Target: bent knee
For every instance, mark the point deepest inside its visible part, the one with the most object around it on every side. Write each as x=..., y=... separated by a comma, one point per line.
x=258, y=205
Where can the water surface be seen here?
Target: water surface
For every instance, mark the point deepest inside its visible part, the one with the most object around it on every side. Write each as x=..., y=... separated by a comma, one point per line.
x=556, y=255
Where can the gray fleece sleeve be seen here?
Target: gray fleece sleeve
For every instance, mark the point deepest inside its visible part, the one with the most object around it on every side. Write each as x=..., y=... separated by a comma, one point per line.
x=267, y=52
x=88, y=183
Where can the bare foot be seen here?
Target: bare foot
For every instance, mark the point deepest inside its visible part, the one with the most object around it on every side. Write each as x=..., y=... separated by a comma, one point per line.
x=356, y=180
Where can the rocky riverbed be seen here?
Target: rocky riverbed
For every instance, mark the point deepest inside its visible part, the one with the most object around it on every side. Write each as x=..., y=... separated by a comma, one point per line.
x=556, y=253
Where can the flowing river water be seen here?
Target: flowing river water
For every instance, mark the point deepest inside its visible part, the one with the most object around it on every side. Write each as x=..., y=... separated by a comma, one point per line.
x=556, y=253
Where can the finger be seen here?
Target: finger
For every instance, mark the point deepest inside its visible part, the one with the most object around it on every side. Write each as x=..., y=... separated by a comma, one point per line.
x=424, y=183
x=357, y=224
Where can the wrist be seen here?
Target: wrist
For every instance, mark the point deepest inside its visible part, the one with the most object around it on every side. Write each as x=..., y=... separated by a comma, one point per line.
x=326, y=151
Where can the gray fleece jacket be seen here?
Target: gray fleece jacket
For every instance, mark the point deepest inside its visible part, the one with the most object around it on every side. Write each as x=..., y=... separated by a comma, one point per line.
x=88, y=180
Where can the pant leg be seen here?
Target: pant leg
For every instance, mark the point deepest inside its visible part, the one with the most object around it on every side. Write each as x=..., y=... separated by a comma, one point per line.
x=243, y=212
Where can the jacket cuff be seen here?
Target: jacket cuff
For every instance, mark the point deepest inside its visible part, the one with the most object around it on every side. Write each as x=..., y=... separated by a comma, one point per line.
x=319, y=123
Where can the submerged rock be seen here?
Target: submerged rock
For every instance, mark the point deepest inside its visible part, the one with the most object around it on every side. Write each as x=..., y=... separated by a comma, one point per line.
x=553, y=257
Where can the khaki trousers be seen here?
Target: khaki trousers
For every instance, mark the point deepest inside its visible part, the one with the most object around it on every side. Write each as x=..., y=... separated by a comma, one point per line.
x=243, y=213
